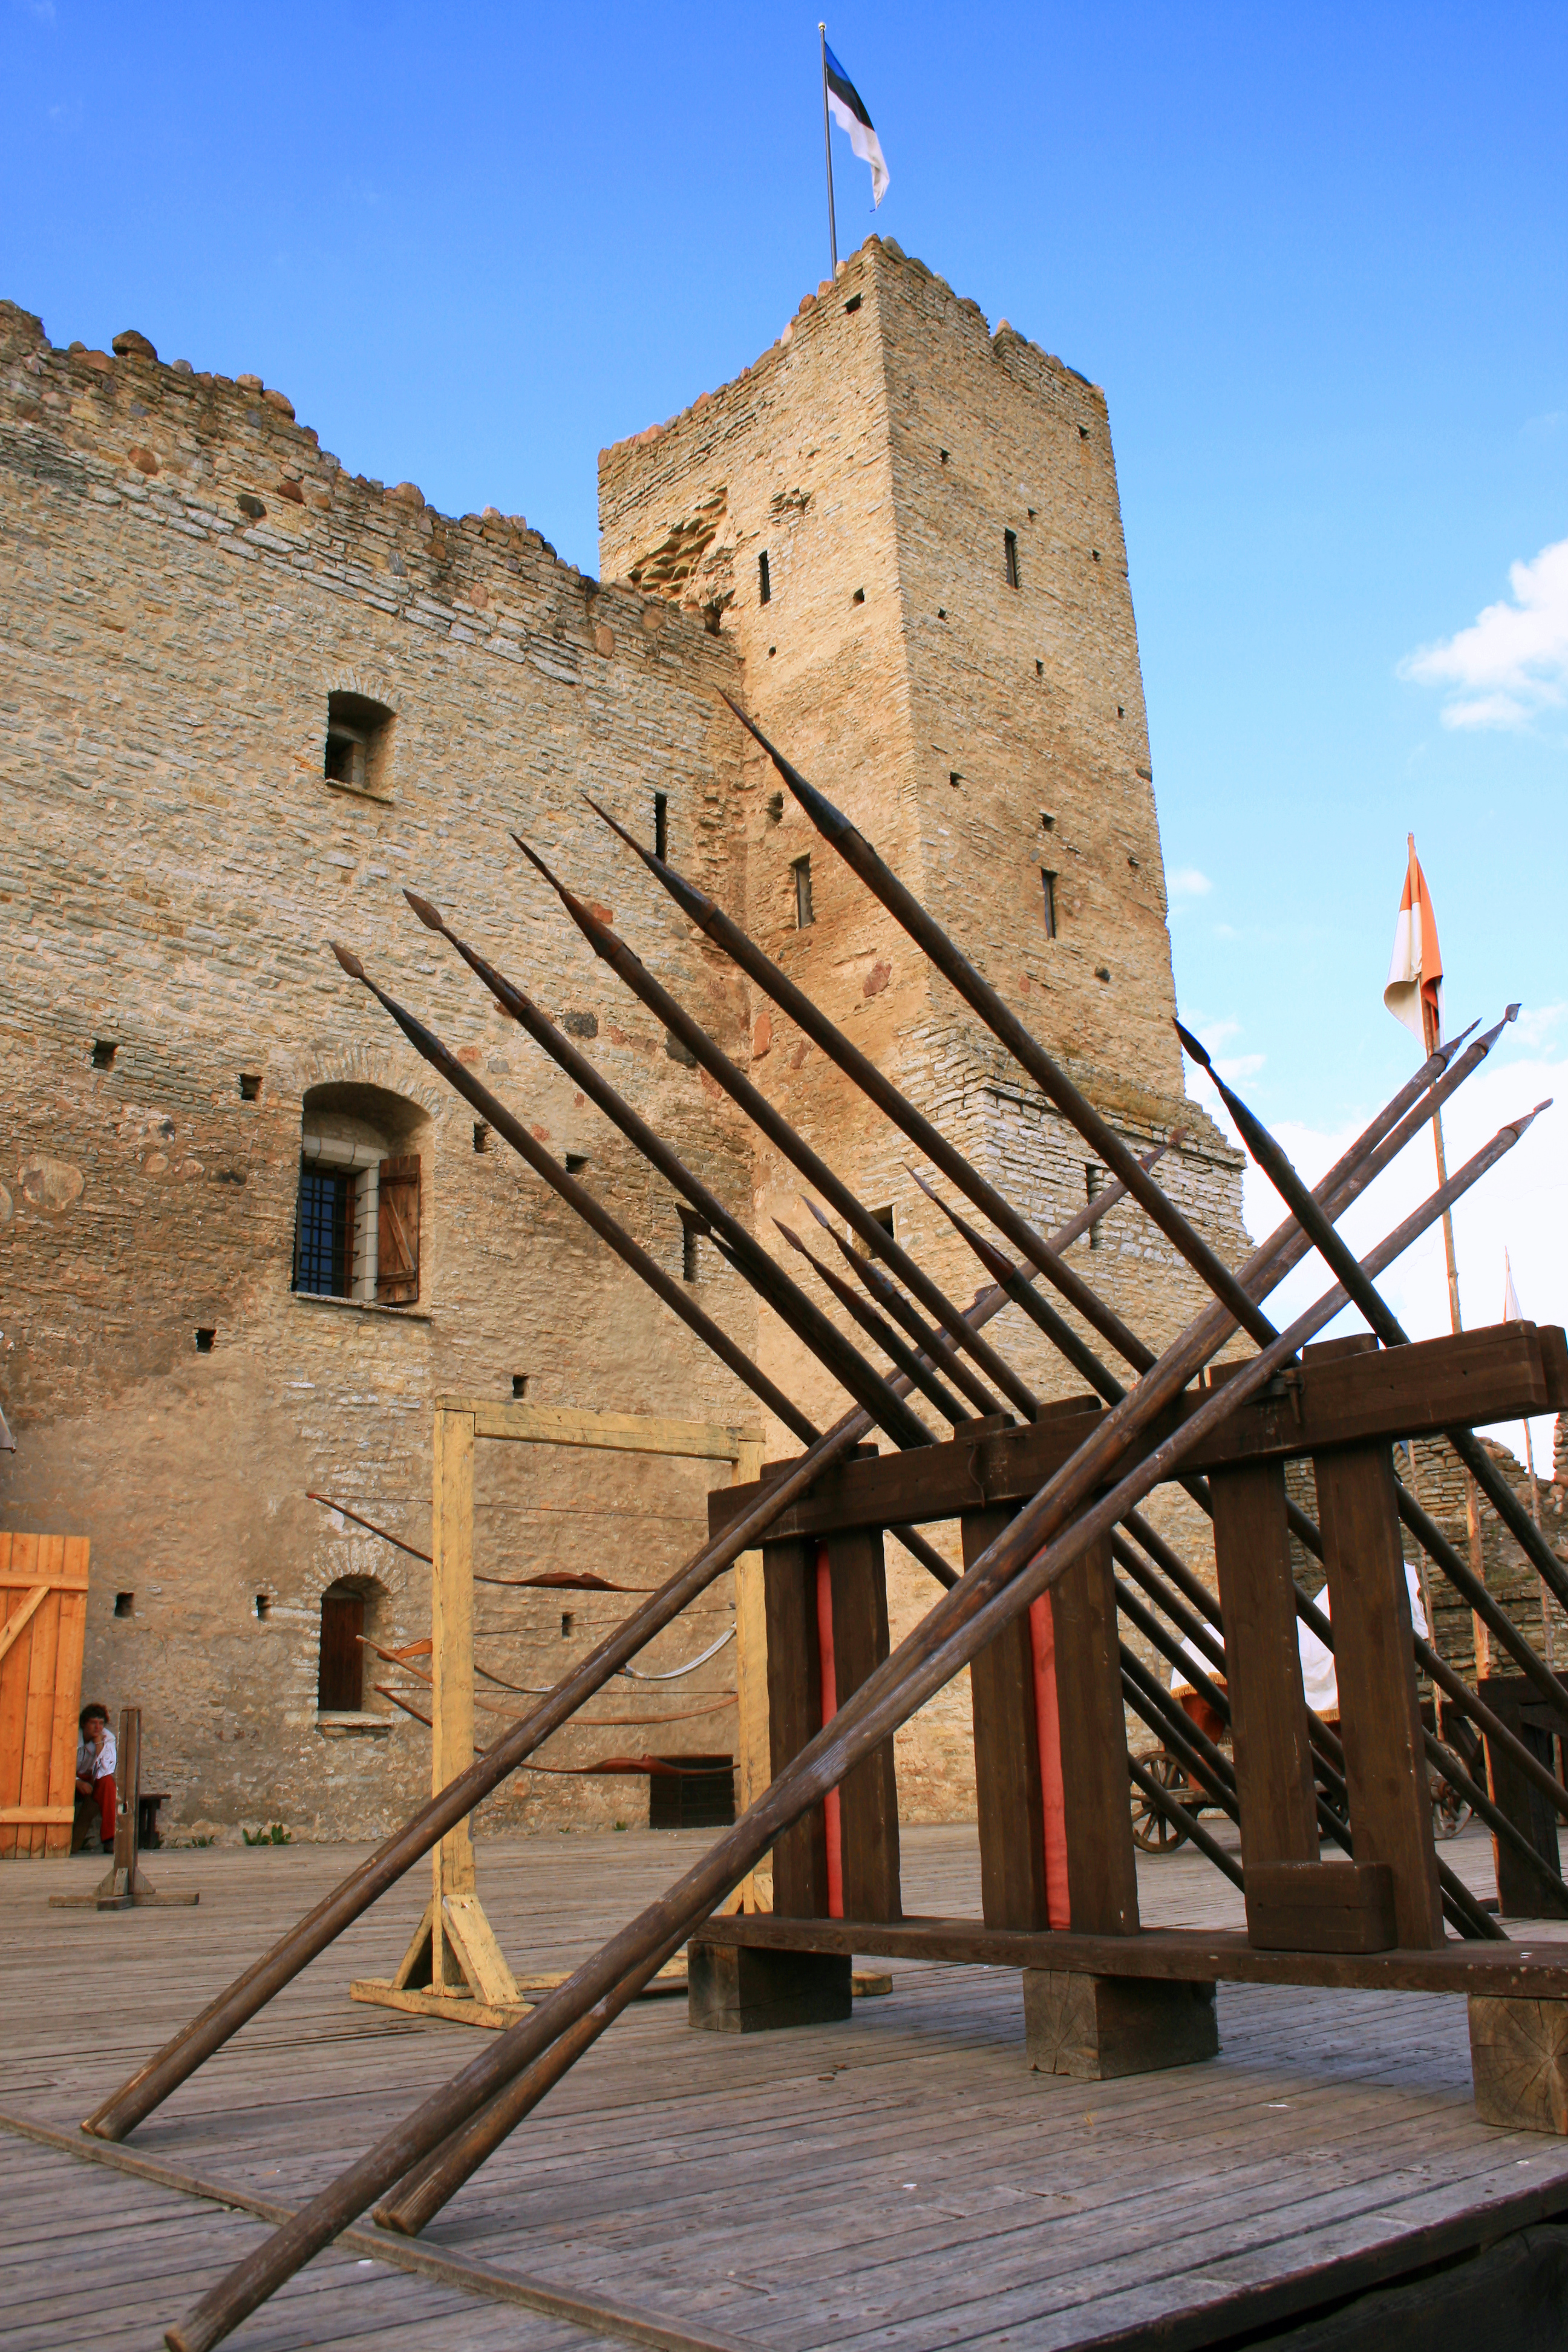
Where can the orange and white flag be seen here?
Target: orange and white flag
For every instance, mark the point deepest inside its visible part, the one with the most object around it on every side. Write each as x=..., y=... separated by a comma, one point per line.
x=1414, y=990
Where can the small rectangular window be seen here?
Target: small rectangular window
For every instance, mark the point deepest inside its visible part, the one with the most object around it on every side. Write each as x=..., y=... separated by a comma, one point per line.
x=884, y=1217
x=661, y=825
x=1049, y=900
x=481, y=1135
x=205, y=1337
x=519, y=1385
x=575, y=1162
x=801, y=869
x=102, y=1055
x=125, y=1604
x=358, y=732
x=689, y=1271
x=250, y=1086
x=764, y=581
x=1010, y=556
x=567, y=1622
x=1093, y=1186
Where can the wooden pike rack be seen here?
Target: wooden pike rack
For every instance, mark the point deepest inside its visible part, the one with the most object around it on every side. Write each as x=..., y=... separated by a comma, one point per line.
x=1102, y=1995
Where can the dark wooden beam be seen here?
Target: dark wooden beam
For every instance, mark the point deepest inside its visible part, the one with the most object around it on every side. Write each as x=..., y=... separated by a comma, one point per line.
x=1537, y=1971
x=1501, y=1373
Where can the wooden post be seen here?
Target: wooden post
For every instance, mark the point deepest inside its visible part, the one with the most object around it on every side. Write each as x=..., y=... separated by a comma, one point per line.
x=1380, y=1709
x=868, y=1796
x=122, y=1887
x=754, y=1767
x=1263, y=1667
x=1102, y=1862
x=1007, y=1791
x=794, y=1715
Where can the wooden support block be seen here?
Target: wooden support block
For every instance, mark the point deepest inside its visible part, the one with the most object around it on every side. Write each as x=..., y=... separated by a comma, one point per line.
x=1380, y=1709
x=794, y=1715
x=1096, y=2028
x=1320, y=1907
x=1518, y=2060
x=1102, y=1862
x=1263, y=1667
x=733, y=1990
x=868, y=1796
x=1007, y=1760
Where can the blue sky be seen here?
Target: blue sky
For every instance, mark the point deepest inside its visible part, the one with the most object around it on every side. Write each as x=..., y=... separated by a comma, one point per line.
x=1317, y=258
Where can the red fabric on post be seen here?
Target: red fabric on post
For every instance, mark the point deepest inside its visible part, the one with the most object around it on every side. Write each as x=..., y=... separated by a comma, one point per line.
x=1048, y=1726
x=104, y=1794
x=830, y=1812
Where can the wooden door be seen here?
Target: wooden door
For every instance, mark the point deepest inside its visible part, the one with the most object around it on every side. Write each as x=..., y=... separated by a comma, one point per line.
x=340, y=1687
x=43, y=1624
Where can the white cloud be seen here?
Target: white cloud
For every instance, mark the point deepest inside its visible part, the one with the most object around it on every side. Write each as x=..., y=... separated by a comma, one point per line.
x=1239, y=1067
x=1187, y=882
x=1518, y=1205
x=1511, y=663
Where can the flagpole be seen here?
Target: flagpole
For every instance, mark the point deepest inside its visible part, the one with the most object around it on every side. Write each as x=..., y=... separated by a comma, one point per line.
x=1432, y=1031
x=828, y=151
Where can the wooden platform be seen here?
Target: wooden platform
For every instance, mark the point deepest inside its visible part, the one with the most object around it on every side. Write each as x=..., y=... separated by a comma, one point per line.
x=900, y=2180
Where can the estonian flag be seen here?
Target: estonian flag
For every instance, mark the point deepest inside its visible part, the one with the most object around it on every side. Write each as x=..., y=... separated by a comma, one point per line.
x=847, y=108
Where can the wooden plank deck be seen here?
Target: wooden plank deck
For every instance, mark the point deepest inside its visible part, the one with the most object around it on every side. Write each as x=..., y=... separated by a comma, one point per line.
x=900, y=2180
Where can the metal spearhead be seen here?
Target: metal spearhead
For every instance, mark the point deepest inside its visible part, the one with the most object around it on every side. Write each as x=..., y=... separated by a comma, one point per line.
x=429, y=913
x=350, y=962
x=686, y=895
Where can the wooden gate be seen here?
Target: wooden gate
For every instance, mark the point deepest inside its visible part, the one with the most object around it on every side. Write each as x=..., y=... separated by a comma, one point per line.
x=43, y=1623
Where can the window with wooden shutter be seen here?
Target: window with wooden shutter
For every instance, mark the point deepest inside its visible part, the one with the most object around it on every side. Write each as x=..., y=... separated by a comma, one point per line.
x=340, y=1683
x=397, y=1255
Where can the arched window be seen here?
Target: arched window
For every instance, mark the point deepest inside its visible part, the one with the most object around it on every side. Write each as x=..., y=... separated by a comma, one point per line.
x=357, y=1230
x=349, y=1610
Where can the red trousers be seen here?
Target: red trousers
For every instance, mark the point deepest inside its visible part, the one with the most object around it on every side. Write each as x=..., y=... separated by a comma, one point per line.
x=103, y=1796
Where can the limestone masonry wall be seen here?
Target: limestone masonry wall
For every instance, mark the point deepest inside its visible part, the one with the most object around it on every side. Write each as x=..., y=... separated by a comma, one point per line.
x=942, y=636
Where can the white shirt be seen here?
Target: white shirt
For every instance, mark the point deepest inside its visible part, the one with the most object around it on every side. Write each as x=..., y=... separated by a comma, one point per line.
x=95, y=1762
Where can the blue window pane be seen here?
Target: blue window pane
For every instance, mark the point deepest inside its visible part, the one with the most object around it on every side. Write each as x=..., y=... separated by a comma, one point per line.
x=322, y=1262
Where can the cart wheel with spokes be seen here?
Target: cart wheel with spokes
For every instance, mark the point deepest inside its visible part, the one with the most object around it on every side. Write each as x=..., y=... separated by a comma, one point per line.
x=1155, y=1831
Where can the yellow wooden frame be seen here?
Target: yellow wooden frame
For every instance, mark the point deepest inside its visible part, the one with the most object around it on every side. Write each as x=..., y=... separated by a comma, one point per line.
x=454, y=1966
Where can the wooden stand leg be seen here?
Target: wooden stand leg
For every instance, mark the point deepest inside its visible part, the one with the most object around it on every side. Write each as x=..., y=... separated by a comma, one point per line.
x=868, y=1796
x=733, y=1991
x=794, y=1715
x=1263, y=1665
x=1007, y=1760
x=1518, y=2061
x=1102, y=1862
x=1380, y=1710
x=1095, y=2028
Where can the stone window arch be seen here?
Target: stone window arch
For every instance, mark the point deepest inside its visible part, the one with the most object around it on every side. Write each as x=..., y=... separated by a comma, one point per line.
x=362, y=1206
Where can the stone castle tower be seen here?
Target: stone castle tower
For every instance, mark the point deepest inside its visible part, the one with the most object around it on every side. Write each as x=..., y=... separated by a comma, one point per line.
x=255, y=695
